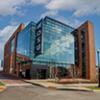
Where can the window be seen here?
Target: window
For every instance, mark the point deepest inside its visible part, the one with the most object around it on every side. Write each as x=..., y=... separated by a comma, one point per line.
x=12, y=45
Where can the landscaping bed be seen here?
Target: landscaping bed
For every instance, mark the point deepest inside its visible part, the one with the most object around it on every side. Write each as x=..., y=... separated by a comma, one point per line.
x=2, y=84
x=93, y=87
x=2, y=87
x=71, y=81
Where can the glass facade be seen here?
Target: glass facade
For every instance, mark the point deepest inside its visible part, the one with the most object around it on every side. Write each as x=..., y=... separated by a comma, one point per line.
x=47, y=42
x=57, y=44
x=25, y=40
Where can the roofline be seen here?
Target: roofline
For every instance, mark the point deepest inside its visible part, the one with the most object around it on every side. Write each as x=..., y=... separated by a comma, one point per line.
x=59, y=22
x=25, y=26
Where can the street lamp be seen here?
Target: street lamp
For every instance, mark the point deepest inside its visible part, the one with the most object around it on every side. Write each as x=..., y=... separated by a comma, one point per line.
x=98, y=68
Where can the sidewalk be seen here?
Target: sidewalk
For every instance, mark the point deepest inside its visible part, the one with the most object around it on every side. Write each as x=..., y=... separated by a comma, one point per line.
x=9, y=80
x=52, y=85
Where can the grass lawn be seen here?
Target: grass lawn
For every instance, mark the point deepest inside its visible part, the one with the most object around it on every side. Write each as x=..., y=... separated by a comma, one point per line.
x=94, y=87
x=2, y=84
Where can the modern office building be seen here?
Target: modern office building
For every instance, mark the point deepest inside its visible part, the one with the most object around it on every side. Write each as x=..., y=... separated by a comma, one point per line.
x=49, y=49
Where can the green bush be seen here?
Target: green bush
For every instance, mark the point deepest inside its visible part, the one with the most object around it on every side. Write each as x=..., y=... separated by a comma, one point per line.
x=94, y=87
x=2, y=84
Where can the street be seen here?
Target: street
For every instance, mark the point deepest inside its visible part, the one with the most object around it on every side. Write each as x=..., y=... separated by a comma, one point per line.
x=33, y=92
x=19, y=90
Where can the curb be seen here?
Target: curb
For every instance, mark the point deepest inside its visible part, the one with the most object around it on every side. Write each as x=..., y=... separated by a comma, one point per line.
x=64, y=89
x=96, y=90
x=70, y=89
x=35, y=84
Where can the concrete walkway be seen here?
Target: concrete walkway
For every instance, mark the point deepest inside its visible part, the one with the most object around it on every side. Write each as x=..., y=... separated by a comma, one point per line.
x=52, y=85
x=12, y=81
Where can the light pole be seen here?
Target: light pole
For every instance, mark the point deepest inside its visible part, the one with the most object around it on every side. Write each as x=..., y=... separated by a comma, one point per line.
x=98, y=68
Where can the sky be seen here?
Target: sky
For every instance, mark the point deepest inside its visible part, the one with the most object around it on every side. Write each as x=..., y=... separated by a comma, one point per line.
x=71, y=12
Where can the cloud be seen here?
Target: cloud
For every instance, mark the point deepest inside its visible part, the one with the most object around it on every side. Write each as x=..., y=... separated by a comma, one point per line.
x=37, y=2
x=61, y=45
x=79, y=7
x=73, y=22
x=5, y=33
x=10, y=7
x=49, y=13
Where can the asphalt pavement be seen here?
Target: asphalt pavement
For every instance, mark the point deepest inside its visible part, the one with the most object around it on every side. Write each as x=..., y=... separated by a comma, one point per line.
x=33, y=92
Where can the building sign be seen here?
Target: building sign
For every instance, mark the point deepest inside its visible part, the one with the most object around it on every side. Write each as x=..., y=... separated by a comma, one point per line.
x=38, y=40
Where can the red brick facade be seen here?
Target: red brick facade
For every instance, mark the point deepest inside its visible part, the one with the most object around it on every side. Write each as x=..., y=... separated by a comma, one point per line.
x=9, y=58
x=90, y=59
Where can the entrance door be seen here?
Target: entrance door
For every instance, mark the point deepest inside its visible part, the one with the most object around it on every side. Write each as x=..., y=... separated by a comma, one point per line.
x=43, y=73
x=27, y=74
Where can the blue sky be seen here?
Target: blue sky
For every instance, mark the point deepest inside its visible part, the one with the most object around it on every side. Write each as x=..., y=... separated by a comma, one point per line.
x=71, y=12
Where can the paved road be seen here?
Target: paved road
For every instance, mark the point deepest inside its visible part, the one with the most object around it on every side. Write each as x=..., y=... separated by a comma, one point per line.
x=33, y=92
